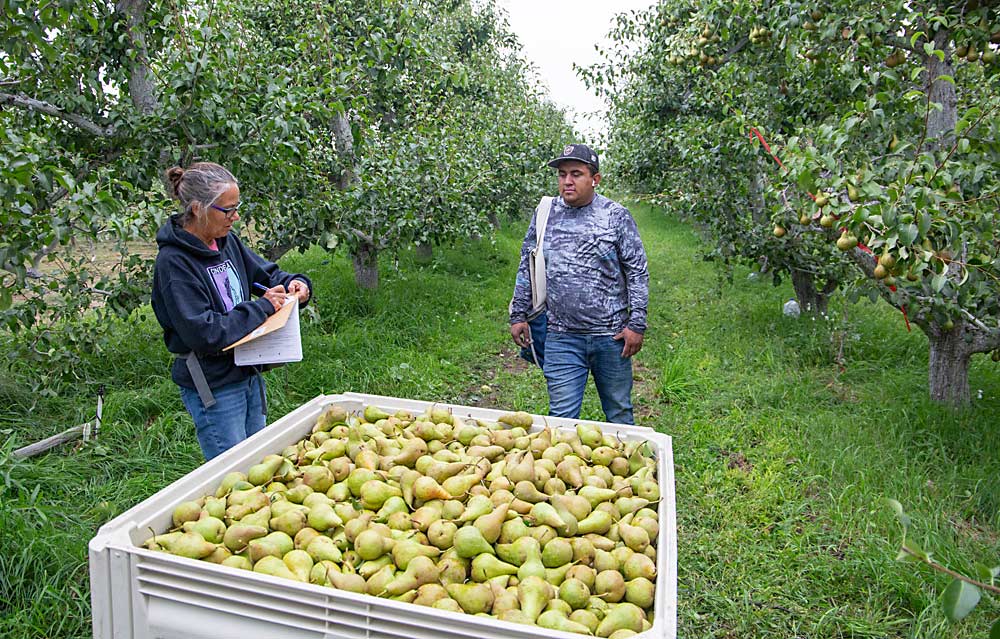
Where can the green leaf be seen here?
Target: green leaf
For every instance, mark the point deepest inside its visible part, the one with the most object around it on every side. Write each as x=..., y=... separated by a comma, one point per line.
x=958, y=599
x=938, y=282
x=907, y=233
x=995, y=630
x=897, y=509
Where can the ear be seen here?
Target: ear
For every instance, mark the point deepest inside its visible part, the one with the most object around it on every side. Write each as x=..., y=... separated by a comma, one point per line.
x=597, y=179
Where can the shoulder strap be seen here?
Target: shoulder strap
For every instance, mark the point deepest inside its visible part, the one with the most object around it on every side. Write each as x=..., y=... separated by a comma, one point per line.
x=536, y=265
x=542, y=219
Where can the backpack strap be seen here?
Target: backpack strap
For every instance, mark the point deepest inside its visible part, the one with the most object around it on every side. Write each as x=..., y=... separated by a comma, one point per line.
x=536, y=265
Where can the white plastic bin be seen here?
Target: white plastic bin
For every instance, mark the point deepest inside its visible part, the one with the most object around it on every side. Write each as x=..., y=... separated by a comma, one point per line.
x=142, y=594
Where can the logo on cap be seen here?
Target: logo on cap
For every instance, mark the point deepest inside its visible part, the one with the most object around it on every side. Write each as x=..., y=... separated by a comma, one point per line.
x=568, y=150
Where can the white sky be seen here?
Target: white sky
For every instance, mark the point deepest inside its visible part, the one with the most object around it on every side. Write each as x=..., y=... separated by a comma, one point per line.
x=556, y=34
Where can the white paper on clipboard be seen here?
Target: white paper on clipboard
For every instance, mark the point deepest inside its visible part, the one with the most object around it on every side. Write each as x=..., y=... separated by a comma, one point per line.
x=273, y=344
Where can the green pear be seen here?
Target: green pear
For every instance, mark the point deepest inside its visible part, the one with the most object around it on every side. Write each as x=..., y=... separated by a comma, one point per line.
x=504, y=601
x=557, y=552
x=527, y=491
x=412, y=450
x=427, y=488
x=323, y=517
x=373, y=413
x=300, y=563
x=476, y=507
x=486, y=566
x=469, y=542
x=217, y=556
x=239, y=535
x=634, y=537
x=639, y=565
x=403, y=552
x=544, y=513
x=590, y=435
x=329, y=418
x=640, y=591
x=260, y=518
x=556, y=576
x=320, y=573
x=624, y=616
x=511, y=530
x=376, y=584
x=290, y=522
x=210, y=528
x=459, y=485
x=447, y=603
x=347, y=581
x=452, y=568
x=322, y=548
x=519, y=551
x=489, y=524
x=430, y=593
x=370, y=544
x=586, y=574
x=228, y=481
x=374, y=493
x=319, y=478
x=420, y=571
x=520, y=418
x=238, y=561
x=515, y=616
x=442, y=534
x=599, y=522
x=534, y=593
x=298, y=494
x=216, y=506
x=264, y=472
x=187, y=544
x=558, y=621
x=473, y=598
x=586, y=618
x=186, y=511
x=392, y=506
x=575, y=593
x=576, y=505
x=610, y=586
x=275, y=567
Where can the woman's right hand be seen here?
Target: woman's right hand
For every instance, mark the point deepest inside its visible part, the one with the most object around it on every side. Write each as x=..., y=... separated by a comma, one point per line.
x=276, y=296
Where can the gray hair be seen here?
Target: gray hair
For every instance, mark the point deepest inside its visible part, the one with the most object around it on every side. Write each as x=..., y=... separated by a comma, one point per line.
x=202, y=182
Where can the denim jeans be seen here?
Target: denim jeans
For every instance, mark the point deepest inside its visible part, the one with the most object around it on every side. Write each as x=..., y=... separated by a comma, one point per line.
x=571, y=357
x=236, y=415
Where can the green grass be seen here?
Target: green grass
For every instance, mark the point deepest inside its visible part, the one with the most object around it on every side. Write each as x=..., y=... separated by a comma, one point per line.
x=782, y=459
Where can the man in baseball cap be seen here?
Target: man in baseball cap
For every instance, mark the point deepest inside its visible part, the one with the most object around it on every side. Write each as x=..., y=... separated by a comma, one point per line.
x=580, y=153
x=596, y=292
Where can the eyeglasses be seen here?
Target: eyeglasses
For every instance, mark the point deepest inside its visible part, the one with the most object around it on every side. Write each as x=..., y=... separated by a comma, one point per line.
x=230, y=211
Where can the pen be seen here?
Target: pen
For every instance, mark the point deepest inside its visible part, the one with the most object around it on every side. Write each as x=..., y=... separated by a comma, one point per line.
x=260, y=287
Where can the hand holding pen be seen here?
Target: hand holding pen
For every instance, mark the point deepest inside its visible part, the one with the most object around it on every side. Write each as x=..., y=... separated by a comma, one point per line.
x=275, y=295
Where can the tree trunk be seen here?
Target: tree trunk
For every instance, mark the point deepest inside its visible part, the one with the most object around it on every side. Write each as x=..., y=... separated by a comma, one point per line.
x=812, y=300
x=344, y=142
x=949, y=365
x=365, y=260
x=140, y=84
x=424, y=252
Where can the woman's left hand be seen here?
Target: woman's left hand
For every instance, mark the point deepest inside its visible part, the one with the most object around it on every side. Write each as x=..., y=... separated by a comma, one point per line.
x=299, y=289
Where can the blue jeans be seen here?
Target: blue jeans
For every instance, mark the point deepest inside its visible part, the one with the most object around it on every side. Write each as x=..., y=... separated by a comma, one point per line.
x=571, y=357
x=236, y=415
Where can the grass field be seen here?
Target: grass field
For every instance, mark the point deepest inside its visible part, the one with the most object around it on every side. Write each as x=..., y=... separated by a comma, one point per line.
x=782, y=458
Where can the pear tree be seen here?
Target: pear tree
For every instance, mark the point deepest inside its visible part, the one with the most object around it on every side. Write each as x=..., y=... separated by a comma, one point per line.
x=884, y=119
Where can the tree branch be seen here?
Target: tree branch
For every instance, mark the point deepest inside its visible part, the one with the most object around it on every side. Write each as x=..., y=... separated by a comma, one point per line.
x=31, y=104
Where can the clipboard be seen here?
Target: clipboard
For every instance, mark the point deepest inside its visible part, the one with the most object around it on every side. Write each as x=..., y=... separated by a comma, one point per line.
x=277, y=340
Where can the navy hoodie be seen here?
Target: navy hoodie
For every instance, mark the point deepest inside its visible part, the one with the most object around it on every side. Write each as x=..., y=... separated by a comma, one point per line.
x=201, y=297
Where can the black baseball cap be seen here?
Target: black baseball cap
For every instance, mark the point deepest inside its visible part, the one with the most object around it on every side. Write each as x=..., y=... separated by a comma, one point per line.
x=580, y=153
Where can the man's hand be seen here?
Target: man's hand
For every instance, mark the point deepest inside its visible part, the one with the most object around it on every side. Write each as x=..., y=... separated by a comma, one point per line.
x=521, y=333
x=299, y=289
x=633, y=342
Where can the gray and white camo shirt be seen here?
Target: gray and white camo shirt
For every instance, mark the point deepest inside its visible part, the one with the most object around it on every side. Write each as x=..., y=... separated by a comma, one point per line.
x=597, y=280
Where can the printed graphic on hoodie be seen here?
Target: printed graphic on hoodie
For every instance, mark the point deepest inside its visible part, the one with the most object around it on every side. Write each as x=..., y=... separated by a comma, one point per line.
x=227, y=282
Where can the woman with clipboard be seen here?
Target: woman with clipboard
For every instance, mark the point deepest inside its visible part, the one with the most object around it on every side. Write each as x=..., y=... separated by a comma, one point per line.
x=201, y=297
